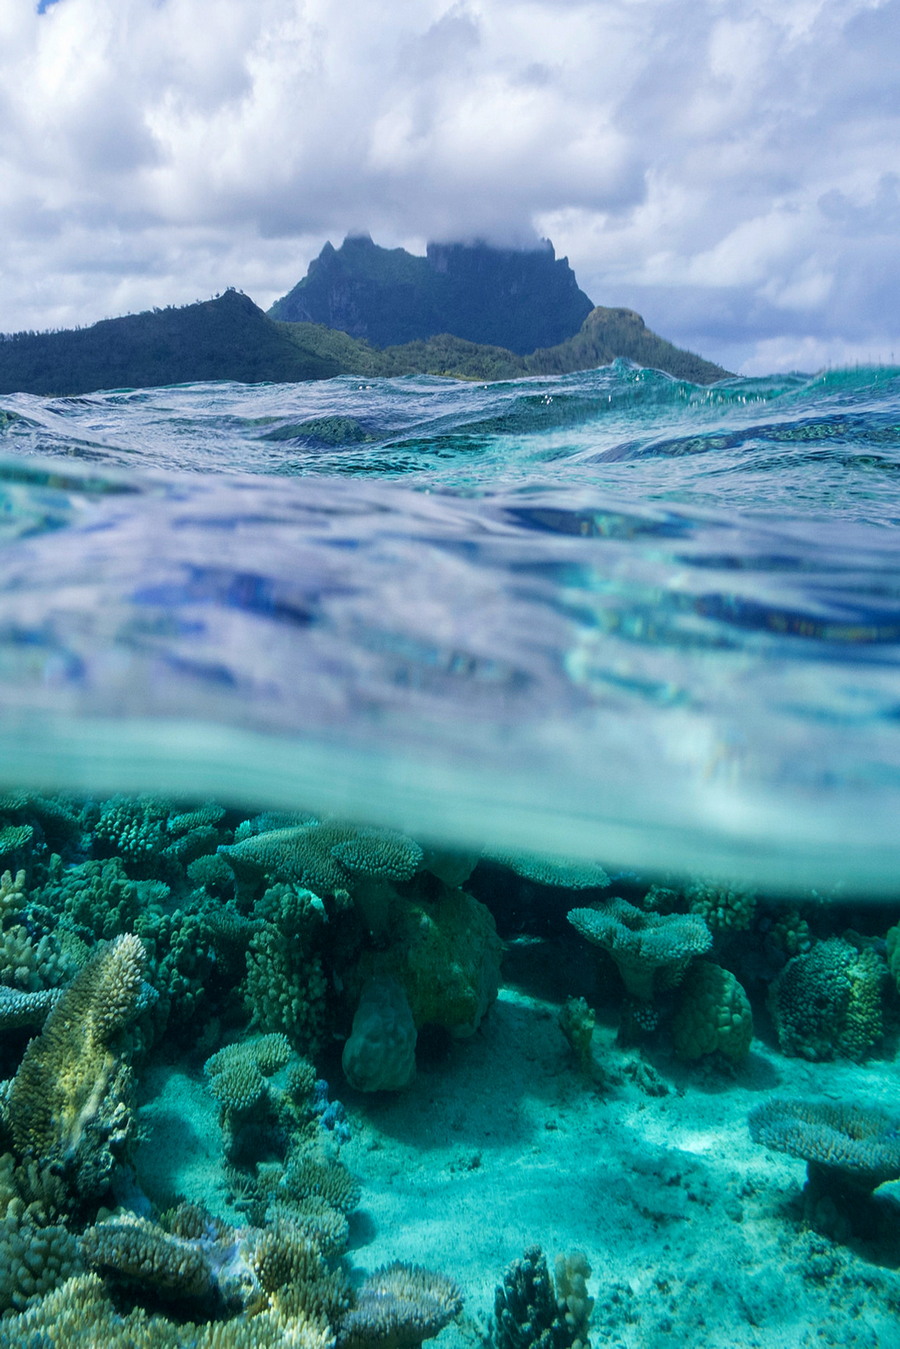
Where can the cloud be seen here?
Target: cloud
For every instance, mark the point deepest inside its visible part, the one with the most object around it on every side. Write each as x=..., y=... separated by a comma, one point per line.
x=728, y=170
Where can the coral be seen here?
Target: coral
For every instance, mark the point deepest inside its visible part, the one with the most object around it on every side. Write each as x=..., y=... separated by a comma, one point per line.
x=286, y=987
x=308, y=1177
x=13, y=895
x=68, y=1104
x=265, y=1091
x=861, y=1144
x=892, y=943
x=724, y=908
x=849, y=1150
x=827, y=1002
x=181, y=961
x=449, y=865
x=324, y=857
x=446, y=954
x=33, y=1259
x=549, y=869
x=572, y=1272
x=380, y=1054
x=96, y=895
x=399, y=1306
x=29, y=962
x=139, y=1252
x=25, y=1009
x=530, y=1313
x=577, y=1022
x=713, y=1014
x=652, y=951
x=13, y=837
x=132, y=828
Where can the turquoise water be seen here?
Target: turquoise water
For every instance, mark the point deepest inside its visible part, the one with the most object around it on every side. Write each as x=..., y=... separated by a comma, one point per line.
x=608, y=615
x=434, y=819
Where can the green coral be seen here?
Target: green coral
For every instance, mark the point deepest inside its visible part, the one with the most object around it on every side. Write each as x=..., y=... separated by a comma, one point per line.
x=286, y=988
x=398, y=1307
x=652, y=951
x=554, y=869
x=827, y=1003
x=34, y=1258
x=713, y=1014
x=25, y=1009
x=69, y=1104
x=446, y=955
x=724, y=908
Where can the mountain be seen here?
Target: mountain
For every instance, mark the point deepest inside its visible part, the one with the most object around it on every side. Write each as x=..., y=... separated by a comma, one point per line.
x=512, y=298
x=230, y=338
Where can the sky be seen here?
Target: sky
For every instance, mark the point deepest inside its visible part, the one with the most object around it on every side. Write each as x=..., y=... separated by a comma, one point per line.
x=728, y=168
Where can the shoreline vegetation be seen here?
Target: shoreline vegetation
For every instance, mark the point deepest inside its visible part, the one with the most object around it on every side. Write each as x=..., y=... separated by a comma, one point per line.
x=362, y=300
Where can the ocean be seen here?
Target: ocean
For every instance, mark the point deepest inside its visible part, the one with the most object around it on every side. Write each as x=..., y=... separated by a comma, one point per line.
x=562, y=639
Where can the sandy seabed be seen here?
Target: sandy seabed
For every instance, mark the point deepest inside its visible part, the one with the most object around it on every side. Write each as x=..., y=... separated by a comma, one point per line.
x=695, y=1234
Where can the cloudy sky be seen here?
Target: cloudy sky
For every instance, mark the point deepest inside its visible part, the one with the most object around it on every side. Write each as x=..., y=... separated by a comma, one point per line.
x=729, y=168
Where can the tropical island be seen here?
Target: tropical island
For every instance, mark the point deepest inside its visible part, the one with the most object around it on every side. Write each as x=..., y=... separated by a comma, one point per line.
x=463, y=311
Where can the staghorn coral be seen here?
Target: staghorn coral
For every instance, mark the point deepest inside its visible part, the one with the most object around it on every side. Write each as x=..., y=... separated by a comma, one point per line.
x=380, y=1053
x=399, y=1306
x=652, y=951
x=713, y=1014
x=849, y=1150
x=69, y=1111
x=827, y=1002
x=530, y=1313
x=324, y=857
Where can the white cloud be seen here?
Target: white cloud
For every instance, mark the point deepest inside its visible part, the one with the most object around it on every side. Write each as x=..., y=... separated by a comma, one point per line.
x=730, y=170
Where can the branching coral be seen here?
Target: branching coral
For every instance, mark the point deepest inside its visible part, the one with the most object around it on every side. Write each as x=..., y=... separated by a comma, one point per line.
x=530, y=1313
x=398, y=1307
x=828, y=1002
x=68, y=1105
x=33, y=1259
x=25, y=1009
x=652, y=951
x=286, y=987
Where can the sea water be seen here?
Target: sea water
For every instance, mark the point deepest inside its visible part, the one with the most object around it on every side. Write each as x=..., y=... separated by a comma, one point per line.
x=607, y=618
x=609, y=614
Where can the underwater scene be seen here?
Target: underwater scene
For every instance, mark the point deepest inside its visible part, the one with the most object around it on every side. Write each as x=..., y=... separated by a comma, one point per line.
x=450, y=864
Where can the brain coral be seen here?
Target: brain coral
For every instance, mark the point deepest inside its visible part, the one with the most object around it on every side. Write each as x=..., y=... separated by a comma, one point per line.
x=713, y=1014
x=827, y=1002
x=652, y=951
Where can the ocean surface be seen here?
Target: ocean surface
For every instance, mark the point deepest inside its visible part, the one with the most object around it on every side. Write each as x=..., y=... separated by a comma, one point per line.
x=606, y=615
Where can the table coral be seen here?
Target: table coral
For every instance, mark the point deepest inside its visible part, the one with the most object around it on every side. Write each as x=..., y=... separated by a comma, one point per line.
x=713, y=1014
x=552, y=869
x=398, y=1307
x=828, y=1002
x=652, y=951
x=68, y=1104
x=19, y=1008
x=849, y=1151
x=324, y=857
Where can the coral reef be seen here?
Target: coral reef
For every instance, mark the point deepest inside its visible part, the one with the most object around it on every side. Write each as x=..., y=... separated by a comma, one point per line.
x=828, y=1002
x=286, y=988
x=548, y=869
x=652, y=951
x=713, y=1014
x=34, y=1257
x=724, y=908
x=69, y=1112
x=380, y=1053
x=264, y=1089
